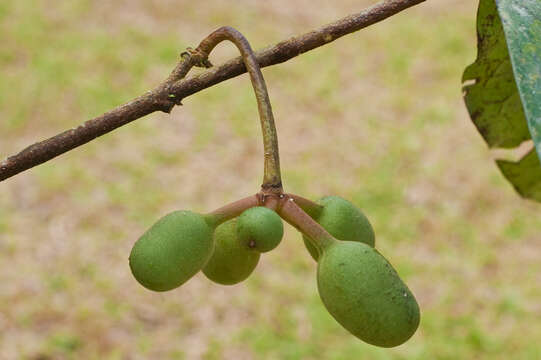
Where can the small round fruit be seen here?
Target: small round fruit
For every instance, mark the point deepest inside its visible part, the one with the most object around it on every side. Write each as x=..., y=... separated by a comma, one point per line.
x=365, y=295
x=342, y=220
x=231, y=262
x=173, y=250
x=260, y=228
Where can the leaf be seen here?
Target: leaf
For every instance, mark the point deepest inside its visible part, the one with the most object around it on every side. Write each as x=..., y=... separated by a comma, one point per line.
x=503, y=86
x=525, y=175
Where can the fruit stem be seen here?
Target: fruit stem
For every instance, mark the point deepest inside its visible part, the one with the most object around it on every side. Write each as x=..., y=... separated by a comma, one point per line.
x=272, y=181
x=311, y=208
x=295, y=215
x=231, y=210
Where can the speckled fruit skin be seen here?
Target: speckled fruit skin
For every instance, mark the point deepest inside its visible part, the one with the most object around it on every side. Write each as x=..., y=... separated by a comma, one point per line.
x=365, y=295
x=173, y=250
x=231, y=262
x=260, y=228
x=344, y=221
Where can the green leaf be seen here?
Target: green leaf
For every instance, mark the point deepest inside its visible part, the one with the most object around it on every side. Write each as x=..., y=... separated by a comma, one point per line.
x=525, y=175
x=503, y=86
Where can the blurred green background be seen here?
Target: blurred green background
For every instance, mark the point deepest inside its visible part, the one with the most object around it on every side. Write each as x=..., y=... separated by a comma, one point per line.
x=376, y=117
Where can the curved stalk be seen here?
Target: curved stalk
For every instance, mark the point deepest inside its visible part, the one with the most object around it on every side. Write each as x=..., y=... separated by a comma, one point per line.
x=271, y=179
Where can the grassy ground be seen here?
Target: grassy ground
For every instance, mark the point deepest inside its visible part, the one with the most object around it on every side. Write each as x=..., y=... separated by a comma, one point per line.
x=376, y=117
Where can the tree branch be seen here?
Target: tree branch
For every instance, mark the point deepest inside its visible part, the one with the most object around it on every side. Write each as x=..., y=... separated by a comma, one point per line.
x=175, y=87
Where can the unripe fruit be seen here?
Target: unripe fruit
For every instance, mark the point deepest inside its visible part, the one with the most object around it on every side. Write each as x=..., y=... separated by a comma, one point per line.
x=173, y=250
x=365, y=295
x=260, y=228
x=343, y=220
x=231, y=262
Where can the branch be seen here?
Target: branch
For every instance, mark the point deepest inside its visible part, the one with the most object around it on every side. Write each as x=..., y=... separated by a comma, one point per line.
x=175, y=88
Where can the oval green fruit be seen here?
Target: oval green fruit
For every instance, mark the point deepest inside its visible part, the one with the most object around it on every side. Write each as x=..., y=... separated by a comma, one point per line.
x=173, y=250
x=260, y=228
x=231, y=262
x=365, y=295
x=342, y=220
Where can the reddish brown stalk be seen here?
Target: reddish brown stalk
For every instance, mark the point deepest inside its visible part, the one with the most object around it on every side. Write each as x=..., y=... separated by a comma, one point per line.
x=286, y=206
x=313, y=209
x=175, y=88
x=294, y=215
x=232, y=210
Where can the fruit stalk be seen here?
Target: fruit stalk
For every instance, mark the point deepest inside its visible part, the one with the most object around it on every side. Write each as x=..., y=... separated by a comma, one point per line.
x=311, y=208
x=231, y=210
x=294, y=215
x=272, y=178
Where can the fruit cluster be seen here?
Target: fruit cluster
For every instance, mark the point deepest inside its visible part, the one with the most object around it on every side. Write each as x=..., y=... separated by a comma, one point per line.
x=182, y=243
x=356, y=283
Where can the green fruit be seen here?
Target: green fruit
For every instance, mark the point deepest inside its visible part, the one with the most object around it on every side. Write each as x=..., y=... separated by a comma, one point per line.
x=231, y=262
x=173, y=250
x=342, y=220
x=365, y=295
x=260, y=228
